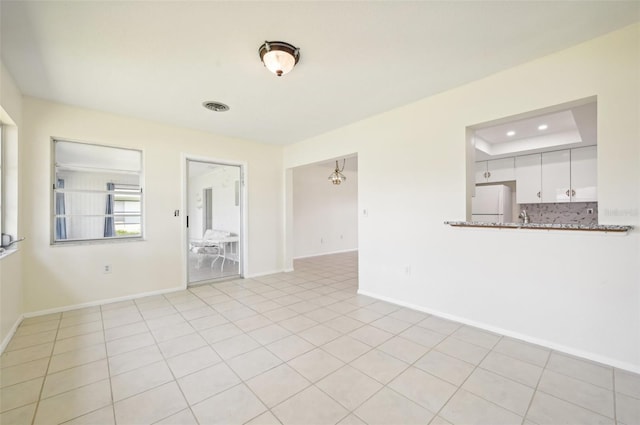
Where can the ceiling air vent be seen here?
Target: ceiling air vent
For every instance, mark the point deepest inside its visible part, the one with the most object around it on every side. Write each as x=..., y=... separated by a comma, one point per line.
x=215, y=106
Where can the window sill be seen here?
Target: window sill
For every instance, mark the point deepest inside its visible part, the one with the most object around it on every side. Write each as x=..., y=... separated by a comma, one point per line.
x=5, y=253
x=98, y=241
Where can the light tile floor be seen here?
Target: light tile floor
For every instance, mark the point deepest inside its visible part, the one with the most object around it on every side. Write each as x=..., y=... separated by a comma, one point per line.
x=294, y=348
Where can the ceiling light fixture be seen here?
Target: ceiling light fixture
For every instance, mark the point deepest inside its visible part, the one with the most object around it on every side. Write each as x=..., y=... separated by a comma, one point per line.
x=511, y=133
x=279, y=57
x=337, y=177
x=542, y=127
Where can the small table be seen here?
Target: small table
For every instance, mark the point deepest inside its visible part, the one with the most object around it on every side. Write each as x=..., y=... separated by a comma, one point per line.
x=227, y=248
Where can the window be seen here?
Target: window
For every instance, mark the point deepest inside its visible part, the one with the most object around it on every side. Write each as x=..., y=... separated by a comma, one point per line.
x=97, y=193
x=127, y=210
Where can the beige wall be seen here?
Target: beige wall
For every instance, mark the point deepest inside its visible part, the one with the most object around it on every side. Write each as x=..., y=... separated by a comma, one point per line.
x=575, y=291
x=60, y=276
x=325, y=216
x=11, y=292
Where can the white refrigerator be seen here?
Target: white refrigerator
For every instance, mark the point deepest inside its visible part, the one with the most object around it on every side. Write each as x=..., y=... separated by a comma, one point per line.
x=491, y=204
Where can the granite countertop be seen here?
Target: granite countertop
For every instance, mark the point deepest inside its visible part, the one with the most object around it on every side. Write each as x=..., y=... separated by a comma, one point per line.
x=543, y=226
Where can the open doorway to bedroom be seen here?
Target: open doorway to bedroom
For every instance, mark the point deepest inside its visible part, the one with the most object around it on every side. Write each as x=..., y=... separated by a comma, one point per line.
x=214, y=221
x=324, y=212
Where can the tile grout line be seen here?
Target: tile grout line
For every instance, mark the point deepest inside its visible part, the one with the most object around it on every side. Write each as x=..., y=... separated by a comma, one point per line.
x=50, y=357
x=242, y=381
x=577, y=378
x=371, y=348
x=46, y=372
x=104, y=335
x=222, y=360
x=535, y=390
x=164, y=359
x=76, y=366
x=569, y=401
x=467, y=378
x=311, y=384
x=108, y=374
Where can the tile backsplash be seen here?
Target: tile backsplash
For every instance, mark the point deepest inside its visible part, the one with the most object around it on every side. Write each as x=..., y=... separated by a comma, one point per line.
x=562, y=213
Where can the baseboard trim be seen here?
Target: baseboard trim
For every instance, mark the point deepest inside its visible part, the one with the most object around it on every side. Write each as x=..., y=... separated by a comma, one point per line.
x=542, y=342
x=103, y=302
x=11, y=333
x=264, y=273
x=325, y=253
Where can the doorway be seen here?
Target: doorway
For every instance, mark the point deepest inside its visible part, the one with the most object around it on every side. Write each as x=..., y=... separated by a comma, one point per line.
x=324, y=214
x=214, y=221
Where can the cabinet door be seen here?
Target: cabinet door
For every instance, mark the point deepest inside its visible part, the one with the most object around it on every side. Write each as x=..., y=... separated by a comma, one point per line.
x=481, y=172
x=501, y=170
x=556, y=176
x=528, y=179
x=584, y=174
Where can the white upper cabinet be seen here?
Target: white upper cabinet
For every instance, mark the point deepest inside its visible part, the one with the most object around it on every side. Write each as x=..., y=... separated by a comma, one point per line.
x=481, y=172
x=584, y=174
x=501, y=170
x=556, y=176
x=495, y=170
x=568, y=175
x=528, y=179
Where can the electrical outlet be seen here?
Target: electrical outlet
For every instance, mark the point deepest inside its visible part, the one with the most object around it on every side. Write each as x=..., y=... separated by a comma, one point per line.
x=321, y=240
x=106, y=269
x=407, y=270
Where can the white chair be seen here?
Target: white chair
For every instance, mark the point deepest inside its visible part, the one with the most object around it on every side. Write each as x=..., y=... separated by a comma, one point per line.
x=207, y=247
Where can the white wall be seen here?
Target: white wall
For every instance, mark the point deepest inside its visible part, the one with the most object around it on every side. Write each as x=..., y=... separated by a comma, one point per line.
x=11, y=289
x=59, y=276
x=576, y=291
x=325, y=216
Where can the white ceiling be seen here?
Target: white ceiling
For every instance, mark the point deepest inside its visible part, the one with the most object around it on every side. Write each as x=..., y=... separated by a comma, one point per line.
x=348, y=163
x=160, y=60
x=569, y=127
x=527, y=128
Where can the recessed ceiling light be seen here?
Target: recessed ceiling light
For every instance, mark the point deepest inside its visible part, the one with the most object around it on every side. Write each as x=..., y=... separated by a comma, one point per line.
x=542, y=127
x=511, y=133
x=215, y=106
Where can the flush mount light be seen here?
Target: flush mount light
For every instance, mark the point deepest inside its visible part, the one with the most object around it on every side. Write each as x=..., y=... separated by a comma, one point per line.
x=279, y=57
x=337, y=177
x=542, y=127
x=215, y=106
x=511, y=133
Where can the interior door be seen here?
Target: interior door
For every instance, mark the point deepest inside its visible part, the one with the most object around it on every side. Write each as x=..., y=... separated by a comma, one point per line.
x=214, y=221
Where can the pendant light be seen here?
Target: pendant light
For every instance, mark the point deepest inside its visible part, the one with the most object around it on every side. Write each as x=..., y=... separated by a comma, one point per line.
x=337, y=177
x=279, y=57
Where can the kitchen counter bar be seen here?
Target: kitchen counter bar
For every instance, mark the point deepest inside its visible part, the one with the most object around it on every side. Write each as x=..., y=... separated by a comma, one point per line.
x=542, y=226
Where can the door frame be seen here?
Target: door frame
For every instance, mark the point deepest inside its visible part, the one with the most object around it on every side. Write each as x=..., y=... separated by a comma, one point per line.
x=288, y=242
x=184, y=160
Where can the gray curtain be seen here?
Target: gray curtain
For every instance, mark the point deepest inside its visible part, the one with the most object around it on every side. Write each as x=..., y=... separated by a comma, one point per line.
x=61, y=222
x=109, y=225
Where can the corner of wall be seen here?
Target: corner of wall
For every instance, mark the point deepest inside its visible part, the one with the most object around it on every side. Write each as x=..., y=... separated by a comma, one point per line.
x=11, y=287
